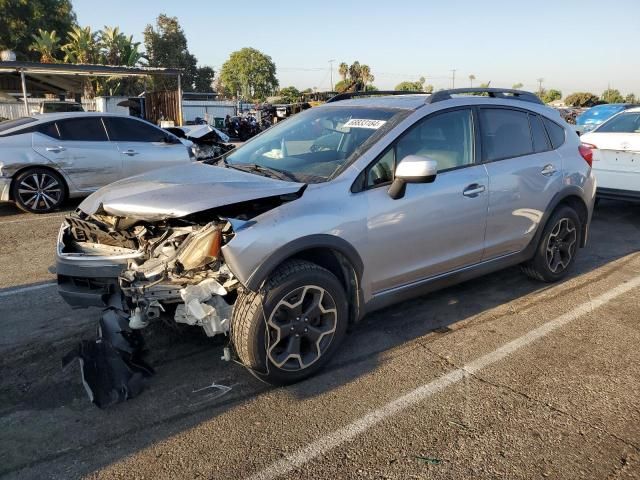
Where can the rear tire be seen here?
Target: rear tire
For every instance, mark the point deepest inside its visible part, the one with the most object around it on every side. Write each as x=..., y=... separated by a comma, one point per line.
x=557, y=248
x=38, y=190
x=290, y=328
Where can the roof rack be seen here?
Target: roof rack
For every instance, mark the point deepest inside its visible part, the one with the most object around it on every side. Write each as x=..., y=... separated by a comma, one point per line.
x=348, y=95
x=491, y=92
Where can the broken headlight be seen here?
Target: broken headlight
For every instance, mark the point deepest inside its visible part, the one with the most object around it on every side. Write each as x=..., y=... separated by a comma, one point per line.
x=200, y=248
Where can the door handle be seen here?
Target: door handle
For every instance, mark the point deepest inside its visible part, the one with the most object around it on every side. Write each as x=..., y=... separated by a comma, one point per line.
x=130, y=152
x=55, y=149
x=473, y=190
x=548, y=170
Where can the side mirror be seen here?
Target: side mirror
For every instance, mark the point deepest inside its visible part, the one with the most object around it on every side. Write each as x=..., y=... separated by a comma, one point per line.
x=412, y=169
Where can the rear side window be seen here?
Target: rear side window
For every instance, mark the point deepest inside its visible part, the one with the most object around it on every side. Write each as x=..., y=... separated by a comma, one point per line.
x=538, y=135
x=505, y=133
x=7, y=124
x=556, y=133
x=87, y=129
x=129, y=130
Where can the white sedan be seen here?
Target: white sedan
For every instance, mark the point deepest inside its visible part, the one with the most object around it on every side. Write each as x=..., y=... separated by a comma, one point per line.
x=47, y=158
x=616, y=155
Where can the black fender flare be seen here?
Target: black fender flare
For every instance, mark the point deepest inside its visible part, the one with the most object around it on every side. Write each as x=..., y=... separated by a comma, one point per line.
x=288, y=250
x=558, y=198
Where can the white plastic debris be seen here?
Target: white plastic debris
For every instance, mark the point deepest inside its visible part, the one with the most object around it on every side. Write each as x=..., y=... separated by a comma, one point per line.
x=204, y=306
x=135, y=320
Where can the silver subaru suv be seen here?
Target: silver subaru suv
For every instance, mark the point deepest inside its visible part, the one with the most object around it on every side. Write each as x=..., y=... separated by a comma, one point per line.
x=338, y=211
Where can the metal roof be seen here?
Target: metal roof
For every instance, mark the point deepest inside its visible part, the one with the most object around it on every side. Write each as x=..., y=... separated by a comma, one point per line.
x=83, y=69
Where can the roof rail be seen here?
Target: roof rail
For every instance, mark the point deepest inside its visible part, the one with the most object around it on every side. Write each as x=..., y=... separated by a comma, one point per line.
x=491, y=92
x=348, y=95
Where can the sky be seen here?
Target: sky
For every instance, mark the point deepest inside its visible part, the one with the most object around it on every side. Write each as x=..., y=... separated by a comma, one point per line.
x=505, y=42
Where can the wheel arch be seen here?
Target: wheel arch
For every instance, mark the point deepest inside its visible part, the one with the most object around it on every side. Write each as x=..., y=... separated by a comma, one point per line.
x=21, y=170
x=328, y=251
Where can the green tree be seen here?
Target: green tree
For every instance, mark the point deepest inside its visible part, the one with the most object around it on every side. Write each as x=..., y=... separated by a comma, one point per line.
x=204, y=79
x=517, y=86
x=289, y=95
x=46, y=44
x=551, y=95
x=82, y=47
x=166, y=46
x=409, y=86
x=631, y=98
x=20, y=20
x=472, y=77
x=582, y=99
x=355, y=77
x=611, y=95
x=250, y=73
x=343, y=70
x=111, y=42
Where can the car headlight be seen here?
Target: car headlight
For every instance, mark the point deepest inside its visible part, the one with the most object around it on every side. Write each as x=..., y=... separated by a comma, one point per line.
x=200, y=248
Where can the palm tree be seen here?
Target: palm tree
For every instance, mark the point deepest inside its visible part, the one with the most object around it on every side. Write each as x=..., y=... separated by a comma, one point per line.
x=343, y=69
x=82, y=48
x=472, y=77
x=111, y=42
x=365, y=75
x=46, y=44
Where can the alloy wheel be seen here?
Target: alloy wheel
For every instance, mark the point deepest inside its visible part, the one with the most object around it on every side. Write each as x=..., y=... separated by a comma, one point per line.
x=561, y=245
x=40, y=191
x=301, y=327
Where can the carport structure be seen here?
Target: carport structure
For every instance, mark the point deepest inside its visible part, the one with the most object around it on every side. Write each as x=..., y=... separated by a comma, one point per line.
x=62, y=78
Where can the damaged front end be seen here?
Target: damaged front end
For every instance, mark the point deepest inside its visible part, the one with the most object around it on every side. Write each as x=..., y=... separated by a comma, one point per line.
x=141, y=272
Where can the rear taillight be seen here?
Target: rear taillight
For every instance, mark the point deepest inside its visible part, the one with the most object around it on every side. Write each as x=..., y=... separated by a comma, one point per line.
x=586, y=150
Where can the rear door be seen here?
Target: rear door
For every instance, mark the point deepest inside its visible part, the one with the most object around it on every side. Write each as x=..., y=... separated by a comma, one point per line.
x=616, y=161
x=143, y=146
x=80, y=147
x=524, y=171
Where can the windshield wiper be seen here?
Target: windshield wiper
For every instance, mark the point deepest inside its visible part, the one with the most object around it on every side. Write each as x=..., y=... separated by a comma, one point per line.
x=267, y=171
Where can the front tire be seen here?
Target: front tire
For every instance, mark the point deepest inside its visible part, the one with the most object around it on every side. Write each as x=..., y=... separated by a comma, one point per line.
x=558, y=246
x=38, y=190
x=290, y=328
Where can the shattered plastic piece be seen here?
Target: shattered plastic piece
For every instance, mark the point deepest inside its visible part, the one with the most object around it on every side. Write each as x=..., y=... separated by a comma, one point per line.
x=135, y=320
x=212, y=316
x=429, y=460
x=112, y=368
x=202, y=291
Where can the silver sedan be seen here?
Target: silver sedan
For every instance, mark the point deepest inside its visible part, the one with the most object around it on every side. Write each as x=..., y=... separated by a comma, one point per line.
x=45, y=159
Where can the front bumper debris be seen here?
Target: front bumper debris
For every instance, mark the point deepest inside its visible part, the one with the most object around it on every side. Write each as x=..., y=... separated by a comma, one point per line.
x=112, y=366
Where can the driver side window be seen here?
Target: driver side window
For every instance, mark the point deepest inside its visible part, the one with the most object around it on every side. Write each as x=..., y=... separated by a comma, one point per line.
x=445, y=137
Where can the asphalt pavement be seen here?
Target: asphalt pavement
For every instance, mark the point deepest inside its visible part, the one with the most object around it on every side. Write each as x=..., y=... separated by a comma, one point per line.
x=499, y=377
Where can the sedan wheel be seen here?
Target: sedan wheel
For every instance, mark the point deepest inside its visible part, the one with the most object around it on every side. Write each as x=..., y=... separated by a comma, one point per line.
x=561, y=245
x=38, y=191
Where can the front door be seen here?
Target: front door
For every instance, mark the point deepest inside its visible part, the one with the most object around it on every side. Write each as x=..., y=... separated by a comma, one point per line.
x=436, y=227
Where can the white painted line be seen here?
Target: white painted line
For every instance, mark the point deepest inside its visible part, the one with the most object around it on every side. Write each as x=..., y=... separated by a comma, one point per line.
x=30, y=219
x=349, y=432
x=30, y=288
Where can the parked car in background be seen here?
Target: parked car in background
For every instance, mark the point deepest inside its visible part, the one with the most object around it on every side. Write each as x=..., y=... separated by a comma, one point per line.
x=288, y=239
x=593, y=117
x=616, y=155
x=60, y=106
x=47, y=158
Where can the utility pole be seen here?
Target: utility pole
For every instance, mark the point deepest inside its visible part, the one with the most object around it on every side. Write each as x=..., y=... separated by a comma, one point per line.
x=453, y=78
x=331, y=71
x=540, y=80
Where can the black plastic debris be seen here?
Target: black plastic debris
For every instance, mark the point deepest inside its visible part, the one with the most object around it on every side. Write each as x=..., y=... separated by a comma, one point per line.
x=112, y=367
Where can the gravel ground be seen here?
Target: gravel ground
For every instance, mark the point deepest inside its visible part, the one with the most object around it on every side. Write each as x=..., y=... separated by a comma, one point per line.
x=564, y=406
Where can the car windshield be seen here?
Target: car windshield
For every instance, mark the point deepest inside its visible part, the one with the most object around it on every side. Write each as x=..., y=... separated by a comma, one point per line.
x=623, y=123
x=598, y=114
x=7, y=124
x=314, y=144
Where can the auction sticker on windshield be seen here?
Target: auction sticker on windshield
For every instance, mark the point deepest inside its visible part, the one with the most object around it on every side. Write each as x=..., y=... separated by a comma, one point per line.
x=364, y=123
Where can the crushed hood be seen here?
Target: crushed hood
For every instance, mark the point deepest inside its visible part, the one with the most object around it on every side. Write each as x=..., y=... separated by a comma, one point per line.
x=179, y=191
